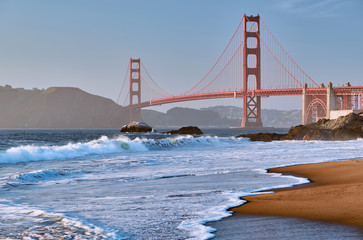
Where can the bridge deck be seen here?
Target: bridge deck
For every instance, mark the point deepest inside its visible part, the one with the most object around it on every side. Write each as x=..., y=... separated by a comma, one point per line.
x=252, y=93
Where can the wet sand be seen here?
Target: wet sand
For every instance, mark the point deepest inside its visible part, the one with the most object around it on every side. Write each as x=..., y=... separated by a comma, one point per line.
x=241, y=226
x=335, y=196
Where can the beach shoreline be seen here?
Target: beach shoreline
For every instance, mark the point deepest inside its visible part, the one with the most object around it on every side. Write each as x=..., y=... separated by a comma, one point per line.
x=334, y=195
x=330, y=203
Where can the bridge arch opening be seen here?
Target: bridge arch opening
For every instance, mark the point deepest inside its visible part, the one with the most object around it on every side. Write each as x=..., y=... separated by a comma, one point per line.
x=251, y=26
x=135, y=86
x=135, y=99
x=316, y=110
x=135, y=65
x=252, y=82
x=135, y=75
x=251, y=43
x=251, y=61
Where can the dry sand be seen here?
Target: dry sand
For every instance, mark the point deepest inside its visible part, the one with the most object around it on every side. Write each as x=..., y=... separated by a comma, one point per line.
x=336, y=194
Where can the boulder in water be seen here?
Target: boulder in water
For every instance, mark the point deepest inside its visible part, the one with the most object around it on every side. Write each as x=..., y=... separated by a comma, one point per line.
x=264, y=137
x=192, y=130
x=136, y=127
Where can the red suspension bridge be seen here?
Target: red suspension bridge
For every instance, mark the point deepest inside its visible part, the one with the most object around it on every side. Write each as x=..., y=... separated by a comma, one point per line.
x=251, y=66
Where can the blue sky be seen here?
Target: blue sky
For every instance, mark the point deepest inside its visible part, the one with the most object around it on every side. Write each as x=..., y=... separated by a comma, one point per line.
x=88, y=43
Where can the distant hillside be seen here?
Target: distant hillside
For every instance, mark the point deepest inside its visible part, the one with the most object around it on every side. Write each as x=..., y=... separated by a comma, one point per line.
x=230, y=112
x=218, y=116
x=178, y=117
x=270, y=117
x=58, y=107
x=281, y=118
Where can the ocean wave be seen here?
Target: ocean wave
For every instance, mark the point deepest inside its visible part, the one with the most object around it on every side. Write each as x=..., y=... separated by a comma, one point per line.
x=39, y=224
x=37, y=176
x=103, y=145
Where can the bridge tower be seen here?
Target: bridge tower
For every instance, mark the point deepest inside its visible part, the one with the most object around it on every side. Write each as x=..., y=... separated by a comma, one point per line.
x=251, y=104
x=135, y=89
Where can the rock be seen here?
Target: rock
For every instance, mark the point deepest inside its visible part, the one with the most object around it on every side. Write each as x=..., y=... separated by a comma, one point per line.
x=347, y=133
x=187, y=130
x=264, y=137
x=349, y=127
x=136, y=127
x=298, y=132
x=316, y=134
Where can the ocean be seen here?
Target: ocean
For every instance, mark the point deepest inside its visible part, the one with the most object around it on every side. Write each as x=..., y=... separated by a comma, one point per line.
x=101, y=184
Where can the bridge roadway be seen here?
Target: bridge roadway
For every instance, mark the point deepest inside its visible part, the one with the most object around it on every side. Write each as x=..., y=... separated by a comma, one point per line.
x=239, y=94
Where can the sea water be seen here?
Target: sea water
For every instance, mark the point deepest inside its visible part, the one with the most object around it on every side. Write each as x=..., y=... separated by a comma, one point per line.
x=100, y=184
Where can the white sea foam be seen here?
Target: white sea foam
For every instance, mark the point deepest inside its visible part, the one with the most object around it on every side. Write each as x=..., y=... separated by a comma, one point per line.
x=295, y=180
x=196, y=226
x=104, y=145
x=39, y=224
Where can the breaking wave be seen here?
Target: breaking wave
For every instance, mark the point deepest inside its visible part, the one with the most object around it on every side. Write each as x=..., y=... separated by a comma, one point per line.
x=39, y=224
x=37, y=176
x=103, y=145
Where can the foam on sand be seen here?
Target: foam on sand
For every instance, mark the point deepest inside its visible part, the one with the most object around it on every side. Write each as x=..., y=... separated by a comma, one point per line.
x=196, y=226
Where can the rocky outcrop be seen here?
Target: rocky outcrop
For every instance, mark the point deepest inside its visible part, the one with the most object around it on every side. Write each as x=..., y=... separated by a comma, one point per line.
x=136, y=127
x=187, y=130
x=349, y=127
x=264, y=137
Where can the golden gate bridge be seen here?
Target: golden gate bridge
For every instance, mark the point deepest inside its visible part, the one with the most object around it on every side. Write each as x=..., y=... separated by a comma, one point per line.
x=251, y=66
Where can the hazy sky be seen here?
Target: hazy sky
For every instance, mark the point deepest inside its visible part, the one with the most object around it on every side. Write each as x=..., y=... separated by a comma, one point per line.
x=88, y=43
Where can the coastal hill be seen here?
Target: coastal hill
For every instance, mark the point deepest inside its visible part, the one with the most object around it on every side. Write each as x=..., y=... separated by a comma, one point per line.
x=58, y=107
x=67, y=107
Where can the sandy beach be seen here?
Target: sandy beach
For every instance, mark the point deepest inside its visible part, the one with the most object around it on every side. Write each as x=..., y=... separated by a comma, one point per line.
x=335, y=194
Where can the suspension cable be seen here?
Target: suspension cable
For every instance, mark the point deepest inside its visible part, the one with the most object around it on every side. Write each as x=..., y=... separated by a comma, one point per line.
x=287, y=53
x=217, y=59
x=225, y=66
x=276, y=57
x=128, y=94
x=168, y=94
x=123, y=84
x=144, y=81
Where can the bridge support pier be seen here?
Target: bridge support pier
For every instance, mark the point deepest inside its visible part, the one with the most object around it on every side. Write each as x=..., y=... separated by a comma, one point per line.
x=251, y=104
x=304, y=104
x=318, y=105
x=251, y=110
x=135, y=89
x=330, y=99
